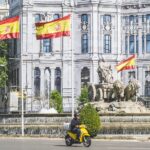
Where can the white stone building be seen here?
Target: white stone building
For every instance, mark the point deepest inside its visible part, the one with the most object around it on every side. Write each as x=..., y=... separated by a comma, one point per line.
x=111, y=30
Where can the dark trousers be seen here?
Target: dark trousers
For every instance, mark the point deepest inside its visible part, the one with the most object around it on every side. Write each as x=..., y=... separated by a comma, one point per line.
x=77, y=131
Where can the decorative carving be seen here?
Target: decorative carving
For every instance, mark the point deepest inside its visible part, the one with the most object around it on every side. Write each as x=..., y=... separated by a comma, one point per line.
x=84, y=26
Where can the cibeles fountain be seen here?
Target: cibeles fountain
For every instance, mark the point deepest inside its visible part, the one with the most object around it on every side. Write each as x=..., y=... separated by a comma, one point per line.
x=112, y=96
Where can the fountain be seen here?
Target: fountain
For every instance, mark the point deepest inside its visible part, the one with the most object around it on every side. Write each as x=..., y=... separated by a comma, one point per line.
x=112, y=96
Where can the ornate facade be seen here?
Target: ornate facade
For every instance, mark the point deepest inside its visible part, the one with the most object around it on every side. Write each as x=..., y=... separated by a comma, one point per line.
x=109, y=30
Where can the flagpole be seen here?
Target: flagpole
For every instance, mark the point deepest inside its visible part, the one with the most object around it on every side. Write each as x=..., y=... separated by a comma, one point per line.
x=72, y=60
x=21, y=70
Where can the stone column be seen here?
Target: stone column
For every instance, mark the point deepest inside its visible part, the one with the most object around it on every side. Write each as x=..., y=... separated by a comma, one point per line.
x=119, y=29
x=52, y=79
x=42, y=86
x=140, y=36
x=141, y=78
x=94, y=38
x=66, y=67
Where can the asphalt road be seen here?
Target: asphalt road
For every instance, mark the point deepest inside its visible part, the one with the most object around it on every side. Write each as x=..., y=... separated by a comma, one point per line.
x=59, y=144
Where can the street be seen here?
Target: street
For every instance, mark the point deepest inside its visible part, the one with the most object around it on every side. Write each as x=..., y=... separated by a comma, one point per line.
x=59, y=144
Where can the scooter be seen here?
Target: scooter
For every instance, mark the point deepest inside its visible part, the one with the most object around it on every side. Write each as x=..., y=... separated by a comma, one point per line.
x=71, y=138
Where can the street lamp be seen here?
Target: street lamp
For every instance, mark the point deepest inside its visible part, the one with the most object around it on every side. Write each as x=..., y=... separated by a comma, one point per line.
x=21, y=87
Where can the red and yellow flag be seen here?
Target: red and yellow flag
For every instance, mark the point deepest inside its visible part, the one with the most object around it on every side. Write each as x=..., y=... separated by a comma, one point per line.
x=126, y=64
x=56, y=28
x=9, y=28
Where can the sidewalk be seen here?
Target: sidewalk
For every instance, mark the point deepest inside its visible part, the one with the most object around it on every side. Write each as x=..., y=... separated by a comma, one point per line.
x=97, y=138
x=143, y=137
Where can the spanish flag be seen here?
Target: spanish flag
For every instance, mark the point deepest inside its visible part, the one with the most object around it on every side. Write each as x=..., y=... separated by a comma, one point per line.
x=9, y=28
x=126, y=64
x=56, y=28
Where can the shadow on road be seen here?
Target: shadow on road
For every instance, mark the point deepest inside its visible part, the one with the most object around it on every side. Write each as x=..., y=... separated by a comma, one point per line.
x=68, y=146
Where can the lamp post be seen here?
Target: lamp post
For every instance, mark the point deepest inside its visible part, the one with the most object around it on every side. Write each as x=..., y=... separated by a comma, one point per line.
x=21, y=87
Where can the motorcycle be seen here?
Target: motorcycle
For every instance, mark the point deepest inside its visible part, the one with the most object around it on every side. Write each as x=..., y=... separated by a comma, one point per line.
x=71, y=138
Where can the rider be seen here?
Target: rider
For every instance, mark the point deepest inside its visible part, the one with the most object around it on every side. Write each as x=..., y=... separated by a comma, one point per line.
x=75, y=125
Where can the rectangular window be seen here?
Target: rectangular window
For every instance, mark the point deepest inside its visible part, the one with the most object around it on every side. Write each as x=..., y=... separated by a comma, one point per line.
x=137, y=43
x=17, y=77
x=107, y=19
x=131, y=46
x=143, y=43
x=37, y=18
x=12, y=77
x=84, y=18
x=143, y=18
x=126, y=20
x=46, y=45
x=15, y=47
x=85, y=43
x=148, y=43
x=136, y=19
x=148, y=17
x=131, y=74
x=107, y=43
x=126, y=44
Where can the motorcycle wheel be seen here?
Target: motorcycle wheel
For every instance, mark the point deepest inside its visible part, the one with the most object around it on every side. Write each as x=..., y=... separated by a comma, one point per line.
x=86, y=141
x=68, y=140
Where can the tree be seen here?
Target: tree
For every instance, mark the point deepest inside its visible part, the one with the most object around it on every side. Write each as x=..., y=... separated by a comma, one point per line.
x=3, y=63
x=83, y=98
x=90, y=117
x=56, y=101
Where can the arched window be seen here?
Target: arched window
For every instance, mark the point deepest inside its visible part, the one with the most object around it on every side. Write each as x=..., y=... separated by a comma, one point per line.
x=131, y=19
x=37, y=76
x=58, y=79
x=85, y=76
x=47, y=83
x=85, y=43
x=56, y=16
x=147, y=88
x=147, y=83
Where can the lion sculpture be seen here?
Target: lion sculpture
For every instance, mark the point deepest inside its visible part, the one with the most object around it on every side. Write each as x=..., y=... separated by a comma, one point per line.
x=117, y=92
x=131, y=90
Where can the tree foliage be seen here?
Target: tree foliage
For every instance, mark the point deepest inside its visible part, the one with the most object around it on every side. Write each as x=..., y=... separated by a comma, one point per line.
x=3, y=63
x=56, y=101
x=90, y=117
x=83, y=98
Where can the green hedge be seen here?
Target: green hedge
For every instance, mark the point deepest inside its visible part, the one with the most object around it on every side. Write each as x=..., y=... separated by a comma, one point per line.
x=90, y=117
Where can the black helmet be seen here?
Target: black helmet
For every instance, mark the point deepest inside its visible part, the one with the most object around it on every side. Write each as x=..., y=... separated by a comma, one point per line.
x=76, y=114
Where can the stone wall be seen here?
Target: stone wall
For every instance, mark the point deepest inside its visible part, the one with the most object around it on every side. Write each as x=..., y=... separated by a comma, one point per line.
x=53, y=125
